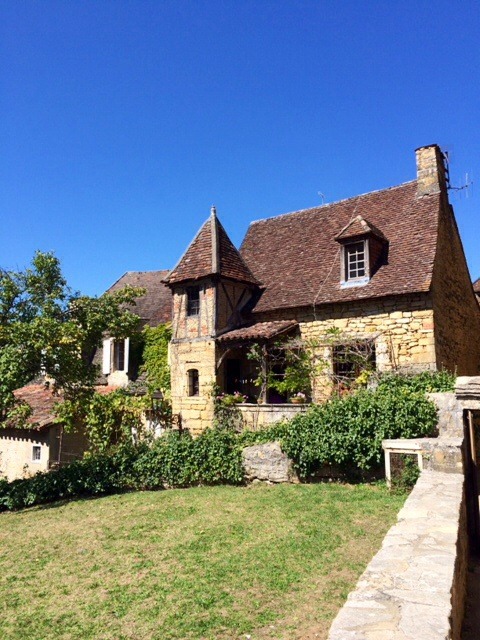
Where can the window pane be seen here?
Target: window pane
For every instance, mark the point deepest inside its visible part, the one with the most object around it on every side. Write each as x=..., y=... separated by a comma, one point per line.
x=193, y=301
x=355, y=260
x=119, y=355
x=193, y=384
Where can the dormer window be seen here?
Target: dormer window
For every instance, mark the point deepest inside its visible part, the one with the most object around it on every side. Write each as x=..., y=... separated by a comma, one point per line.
x=193, y=301
x=355, y=260
x=364, y=250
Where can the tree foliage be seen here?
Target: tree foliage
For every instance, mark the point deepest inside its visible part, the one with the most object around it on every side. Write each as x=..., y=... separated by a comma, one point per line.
x=46, y=328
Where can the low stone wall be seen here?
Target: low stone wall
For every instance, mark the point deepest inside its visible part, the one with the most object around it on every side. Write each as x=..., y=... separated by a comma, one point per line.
x=414, y=588
x=256, y=416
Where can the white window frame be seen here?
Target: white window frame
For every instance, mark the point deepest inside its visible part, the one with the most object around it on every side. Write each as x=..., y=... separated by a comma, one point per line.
x=36, y=448
x=108, y=364
x=348, y=280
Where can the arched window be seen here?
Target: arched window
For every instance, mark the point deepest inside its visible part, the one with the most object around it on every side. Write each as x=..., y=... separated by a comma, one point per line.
x=193, y=386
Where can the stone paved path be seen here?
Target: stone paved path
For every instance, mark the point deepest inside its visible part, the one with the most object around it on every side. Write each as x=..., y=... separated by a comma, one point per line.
x=471, y=625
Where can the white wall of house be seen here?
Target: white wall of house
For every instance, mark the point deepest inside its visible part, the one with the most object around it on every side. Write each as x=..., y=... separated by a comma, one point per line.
x=23, y=452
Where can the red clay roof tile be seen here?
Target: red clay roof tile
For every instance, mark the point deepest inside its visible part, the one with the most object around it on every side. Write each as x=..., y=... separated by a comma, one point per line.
x=211, y=252
x=297, y=259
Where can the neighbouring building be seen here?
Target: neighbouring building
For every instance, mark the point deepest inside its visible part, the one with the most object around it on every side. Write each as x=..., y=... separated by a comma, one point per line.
x=386, y=269
x=118, y=359
x=43, y=444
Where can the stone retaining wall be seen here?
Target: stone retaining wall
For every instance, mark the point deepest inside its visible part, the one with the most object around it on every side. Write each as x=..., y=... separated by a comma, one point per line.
x=414, y=588
x=256, y=416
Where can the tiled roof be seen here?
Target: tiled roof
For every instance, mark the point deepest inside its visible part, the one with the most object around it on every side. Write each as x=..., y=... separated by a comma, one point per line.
x=359, y=227
x=476, y=286
x=258, y=331
x=155, y=307
x=42, y=401
x=211, y=253
x=296, y=257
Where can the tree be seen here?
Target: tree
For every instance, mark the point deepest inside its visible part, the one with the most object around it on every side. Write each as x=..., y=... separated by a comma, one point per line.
x=45, y=328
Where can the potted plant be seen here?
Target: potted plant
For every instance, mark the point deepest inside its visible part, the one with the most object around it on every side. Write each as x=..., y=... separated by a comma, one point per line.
x=298, y=398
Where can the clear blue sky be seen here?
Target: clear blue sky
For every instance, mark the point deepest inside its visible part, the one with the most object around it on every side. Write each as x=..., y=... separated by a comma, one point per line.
x=122, y=122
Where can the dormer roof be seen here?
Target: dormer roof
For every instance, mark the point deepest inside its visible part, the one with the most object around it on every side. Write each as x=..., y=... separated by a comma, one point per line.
x=211, y=253
x=359, y=227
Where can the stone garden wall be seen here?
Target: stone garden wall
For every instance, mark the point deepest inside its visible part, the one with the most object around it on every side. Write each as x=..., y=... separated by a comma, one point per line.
x=414, y=588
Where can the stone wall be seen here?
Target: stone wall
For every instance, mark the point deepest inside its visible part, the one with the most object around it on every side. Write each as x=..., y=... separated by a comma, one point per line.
x=401, y=328
x=455, y=308
x=196, y=412
x=258, y=416
x=414, y=587
x=16, y=452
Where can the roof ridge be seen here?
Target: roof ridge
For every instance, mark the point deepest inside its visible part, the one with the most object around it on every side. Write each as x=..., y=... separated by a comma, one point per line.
x=331, y=204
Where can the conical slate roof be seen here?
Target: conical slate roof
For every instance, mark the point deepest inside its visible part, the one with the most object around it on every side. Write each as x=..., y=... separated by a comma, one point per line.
x=211, y=253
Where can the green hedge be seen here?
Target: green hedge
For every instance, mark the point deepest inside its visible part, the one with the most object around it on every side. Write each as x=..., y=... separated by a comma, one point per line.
x=175, y=460
x=346, y=432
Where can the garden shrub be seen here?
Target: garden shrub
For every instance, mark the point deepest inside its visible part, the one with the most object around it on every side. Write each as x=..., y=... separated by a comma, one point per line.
x=178, y=460
x=345, y=431
x=102, y=473
x=348, y=431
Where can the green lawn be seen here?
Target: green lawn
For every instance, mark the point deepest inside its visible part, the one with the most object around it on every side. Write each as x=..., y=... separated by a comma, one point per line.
x=223, y=562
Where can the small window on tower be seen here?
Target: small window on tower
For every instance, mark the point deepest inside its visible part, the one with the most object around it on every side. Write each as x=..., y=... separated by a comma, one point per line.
x=193, y=384
x=193, y=301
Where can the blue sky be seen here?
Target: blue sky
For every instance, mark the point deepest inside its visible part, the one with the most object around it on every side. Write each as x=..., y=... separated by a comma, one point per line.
x=121, y=122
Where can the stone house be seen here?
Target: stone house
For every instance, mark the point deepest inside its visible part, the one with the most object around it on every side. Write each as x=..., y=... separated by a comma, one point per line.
x=118, y=359
x=386, y=269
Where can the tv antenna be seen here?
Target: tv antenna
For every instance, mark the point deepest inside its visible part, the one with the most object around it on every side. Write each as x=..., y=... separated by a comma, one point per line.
x=466, y=184
x=322, y=197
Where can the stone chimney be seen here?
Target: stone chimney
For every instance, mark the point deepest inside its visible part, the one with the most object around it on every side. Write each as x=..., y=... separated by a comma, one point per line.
x=431, y=170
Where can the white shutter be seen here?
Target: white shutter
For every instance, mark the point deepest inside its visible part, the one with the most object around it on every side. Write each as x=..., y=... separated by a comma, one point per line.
x=127, y=353
x=107, y=358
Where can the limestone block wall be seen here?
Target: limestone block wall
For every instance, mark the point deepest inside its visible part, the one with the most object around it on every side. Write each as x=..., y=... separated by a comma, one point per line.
x=16, y=452
x=401, y=327
x=257, y=416
x=196, y=412
x=456, y=311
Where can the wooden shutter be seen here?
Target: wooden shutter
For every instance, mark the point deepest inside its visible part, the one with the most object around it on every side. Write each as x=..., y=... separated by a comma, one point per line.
x=107, y=356
x=127, y=354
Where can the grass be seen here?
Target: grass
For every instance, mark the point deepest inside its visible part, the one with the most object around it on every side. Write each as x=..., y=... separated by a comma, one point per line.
x=207, y=563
